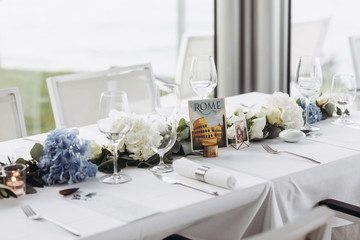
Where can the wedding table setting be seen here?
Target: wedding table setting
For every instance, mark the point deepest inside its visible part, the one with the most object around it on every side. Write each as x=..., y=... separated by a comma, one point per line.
x=143, y=176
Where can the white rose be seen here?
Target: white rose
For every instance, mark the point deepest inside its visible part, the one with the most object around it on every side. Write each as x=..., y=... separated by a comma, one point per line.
x=292, y=117
x=323, y=99
x=257, y=127
x=273, y=115
x=239, y=112
x=95, y=149
x=291, y=112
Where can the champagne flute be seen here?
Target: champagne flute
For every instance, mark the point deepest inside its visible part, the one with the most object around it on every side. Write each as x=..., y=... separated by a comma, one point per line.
x=343, y=92
x=308, y=82
x=203, y=77
x=167, y=102
x=114, y=121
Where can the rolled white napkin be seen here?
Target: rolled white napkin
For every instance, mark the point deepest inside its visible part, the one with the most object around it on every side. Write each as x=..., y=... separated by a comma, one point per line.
x=213, y=176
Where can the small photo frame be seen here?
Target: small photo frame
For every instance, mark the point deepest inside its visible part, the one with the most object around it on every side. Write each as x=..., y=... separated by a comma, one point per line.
x=241, y=139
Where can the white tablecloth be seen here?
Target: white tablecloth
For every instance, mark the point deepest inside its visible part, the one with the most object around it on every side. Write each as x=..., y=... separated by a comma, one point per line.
x=271, y=190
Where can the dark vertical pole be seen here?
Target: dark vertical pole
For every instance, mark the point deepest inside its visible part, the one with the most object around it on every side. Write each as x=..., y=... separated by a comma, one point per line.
x=289, y=50
x=253, y=49
x=215, y=41
x=241, y=48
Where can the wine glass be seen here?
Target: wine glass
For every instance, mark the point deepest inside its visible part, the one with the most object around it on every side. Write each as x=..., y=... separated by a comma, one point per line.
x=167, y=99
x=308, y=81
x=163, y=121
x=114, y=121
x=343, y=92
x=166, y=128
x=203, y=77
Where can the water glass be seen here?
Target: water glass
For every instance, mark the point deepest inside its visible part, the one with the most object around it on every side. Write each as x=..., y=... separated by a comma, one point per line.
x=343, y=92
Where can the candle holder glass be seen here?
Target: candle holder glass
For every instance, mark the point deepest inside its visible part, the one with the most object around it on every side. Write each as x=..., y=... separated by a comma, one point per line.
x=14, y=176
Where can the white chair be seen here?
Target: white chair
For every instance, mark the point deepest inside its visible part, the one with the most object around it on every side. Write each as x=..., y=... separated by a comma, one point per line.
x=75, y=97
x=191, y=46
x=314, y=225
x=12, y=123
x=355, y=53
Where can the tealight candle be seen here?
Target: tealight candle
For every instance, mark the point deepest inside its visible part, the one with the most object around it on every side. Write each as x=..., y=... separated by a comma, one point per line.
x=15, y=178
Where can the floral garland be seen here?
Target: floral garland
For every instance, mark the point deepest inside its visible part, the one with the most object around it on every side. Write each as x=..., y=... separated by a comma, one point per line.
x=65, y=158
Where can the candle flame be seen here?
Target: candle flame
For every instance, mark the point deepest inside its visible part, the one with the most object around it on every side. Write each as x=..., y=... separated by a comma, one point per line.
x=13, y=179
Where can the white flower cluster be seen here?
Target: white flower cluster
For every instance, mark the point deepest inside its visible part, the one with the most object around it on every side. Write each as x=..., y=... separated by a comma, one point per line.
x=283, y=111
x=257, y=125
x=141, y=138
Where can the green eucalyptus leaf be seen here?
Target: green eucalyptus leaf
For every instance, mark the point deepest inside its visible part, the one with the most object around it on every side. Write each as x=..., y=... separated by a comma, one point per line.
x=21, y=161
x=6, y=192
x=37, y=151
x=329, y=108
x=298, y=101
x=338, y=111
x=185, y=133
x=273, y=132
x=182, y=125
x=106, y=166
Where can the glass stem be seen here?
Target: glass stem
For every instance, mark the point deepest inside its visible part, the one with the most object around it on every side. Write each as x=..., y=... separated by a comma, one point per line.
x=342, y=117
x=161, y=159
x=115, y=144
x=307, y=125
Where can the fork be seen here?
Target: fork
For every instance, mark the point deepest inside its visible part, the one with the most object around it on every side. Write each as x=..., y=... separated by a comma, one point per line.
x=174, y=181
x=34, y=216
x=273, y=151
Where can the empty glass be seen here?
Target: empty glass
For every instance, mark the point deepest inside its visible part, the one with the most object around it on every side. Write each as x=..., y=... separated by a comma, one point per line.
x=163, y=121
x=308, y=81
x=166, y=127
x=203, y=77
x=115, y=123
x=343, y=92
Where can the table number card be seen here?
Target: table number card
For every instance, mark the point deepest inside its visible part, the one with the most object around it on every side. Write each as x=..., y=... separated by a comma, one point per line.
x=207, y=123
x=241, y=139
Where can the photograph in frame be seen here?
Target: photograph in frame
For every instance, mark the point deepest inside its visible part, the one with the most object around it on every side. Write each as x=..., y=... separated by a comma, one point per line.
x=241, y=134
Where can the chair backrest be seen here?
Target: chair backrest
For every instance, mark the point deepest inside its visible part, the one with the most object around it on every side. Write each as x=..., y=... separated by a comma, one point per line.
x=12, y=123
x=191, y=46
x=75, y=98
x=314, y=225
x=355, y=53
x=307, y=38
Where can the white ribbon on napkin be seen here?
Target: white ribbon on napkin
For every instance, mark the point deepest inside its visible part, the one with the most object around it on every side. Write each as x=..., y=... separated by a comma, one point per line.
x=213, y=176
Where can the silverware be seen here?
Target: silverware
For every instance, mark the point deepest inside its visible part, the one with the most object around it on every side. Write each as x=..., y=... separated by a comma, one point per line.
x=174, y=181
x=33, y=216
x=270, y=150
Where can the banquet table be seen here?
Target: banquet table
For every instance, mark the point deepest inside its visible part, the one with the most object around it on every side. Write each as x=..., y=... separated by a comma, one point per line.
x=271, y=190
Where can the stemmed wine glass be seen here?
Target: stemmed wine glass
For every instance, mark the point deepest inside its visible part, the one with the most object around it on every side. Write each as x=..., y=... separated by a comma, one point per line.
x=203, y=77
x=114, y=121
x=167, y=101
x=308, y=82
x=343, y=92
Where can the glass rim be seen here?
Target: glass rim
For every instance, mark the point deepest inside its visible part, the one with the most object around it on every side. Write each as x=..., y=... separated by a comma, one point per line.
x=113, y=93
x=343, y=75
x=14, y=167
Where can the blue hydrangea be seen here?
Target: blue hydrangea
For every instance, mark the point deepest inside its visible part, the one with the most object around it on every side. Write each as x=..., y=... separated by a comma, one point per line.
x=315, y=114
x=65, y=158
